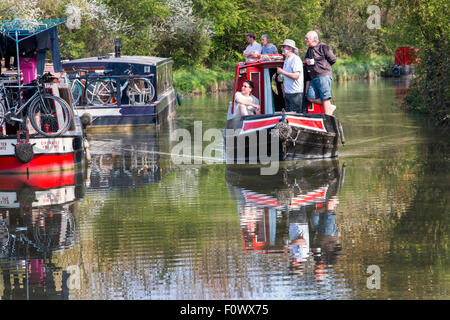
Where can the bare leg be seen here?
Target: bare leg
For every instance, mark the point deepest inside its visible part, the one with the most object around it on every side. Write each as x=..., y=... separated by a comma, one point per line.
x=243, y=110
x=316, y=101
x=328, y=107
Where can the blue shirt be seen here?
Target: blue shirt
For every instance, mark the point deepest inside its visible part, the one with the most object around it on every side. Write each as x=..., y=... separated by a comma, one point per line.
x=270, y=49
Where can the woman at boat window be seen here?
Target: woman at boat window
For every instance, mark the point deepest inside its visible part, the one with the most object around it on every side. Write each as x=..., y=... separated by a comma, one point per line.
x=246, y=103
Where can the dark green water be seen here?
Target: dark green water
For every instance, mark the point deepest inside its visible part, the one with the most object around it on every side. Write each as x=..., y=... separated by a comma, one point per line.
x=372, y=224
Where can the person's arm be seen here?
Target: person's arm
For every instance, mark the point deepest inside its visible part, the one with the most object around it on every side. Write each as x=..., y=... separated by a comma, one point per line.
x=297, y=66
x=239, y=98
x=329, y=55
x=253, y=54
x=292, y=75
x=325, y=53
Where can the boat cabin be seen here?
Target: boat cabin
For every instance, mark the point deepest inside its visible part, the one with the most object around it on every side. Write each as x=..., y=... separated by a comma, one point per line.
x=267, y=85
x=157, y=70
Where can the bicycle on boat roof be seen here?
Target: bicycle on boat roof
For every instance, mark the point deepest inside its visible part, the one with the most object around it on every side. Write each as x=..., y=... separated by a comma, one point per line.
x=101, y=89
x=49, y=115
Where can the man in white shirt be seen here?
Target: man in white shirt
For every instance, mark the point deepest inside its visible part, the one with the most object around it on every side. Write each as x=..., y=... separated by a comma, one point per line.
x=246, y=103
x=293, y=77
x=253, y=49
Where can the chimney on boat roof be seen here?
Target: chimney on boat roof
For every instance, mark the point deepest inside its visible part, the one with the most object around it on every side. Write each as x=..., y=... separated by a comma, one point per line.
x=117, y=47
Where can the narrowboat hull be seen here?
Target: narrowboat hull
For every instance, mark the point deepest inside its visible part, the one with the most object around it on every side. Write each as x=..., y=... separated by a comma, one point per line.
x=299, y=136
x=121, y=114
x=42, y=154
x=113, y=118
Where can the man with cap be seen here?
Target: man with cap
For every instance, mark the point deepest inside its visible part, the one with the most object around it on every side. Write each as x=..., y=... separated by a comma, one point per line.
x=293, y=77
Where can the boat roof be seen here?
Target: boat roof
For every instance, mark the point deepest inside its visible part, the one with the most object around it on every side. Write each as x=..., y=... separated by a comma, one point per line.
x=116, y=60
x=27, y=28
x=269, y=61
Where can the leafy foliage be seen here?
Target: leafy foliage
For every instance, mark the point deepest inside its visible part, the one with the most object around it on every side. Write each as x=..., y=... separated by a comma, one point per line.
x=210, y=32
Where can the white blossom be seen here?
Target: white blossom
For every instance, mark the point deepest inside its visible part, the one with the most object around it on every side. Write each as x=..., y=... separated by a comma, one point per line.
x=96, y=10
x=182, y=20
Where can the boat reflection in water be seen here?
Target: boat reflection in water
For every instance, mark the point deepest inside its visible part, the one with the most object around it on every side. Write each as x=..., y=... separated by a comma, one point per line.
x=36, y=221
x=292, y=211
x=124, y=160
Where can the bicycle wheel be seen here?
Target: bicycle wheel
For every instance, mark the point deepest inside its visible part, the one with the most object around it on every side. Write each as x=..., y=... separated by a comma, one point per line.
x=100, y=92
x=2, y=114
x=49, y=115
x=140, y=91
x=76, y=92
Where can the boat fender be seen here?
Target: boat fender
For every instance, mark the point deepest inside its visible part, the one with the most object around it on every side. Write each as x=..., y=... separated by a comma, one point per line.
x=24, y=152
x=86, y=119
x=26, y=196
x=87, y=150
x=179, y=99
x=283, y=130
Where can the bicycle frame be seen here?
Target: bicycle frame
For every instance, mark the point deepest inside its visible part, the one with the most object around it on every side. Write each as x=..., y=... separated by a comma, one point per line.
x=18, y=106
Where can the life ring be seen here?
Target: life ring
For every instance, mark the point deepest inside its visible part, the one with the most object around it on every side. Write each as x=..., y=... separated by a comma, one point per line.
x=24, y=152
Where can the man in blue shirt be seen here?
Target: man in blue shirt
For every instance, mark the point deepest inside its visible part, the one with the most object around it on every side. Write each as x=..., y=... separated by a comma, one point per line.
x=267, y=47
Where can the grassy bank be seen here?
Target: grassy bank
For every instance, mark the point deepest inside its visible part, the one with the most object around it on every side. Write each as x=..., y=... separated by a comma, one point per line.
x=200, y=80
x=191, y=80
x=362, y=67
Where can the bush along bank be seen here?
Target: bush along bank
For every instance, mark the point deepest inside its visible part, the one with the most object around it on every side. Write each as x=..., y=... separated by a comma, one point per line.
x=192, y=80
x=201, y=80
x=362, y=67
x=429, y=92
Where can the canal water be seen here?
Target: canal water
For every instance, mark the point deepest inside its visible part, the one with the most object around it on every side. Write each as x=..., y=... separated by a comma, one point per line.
x=138, y=223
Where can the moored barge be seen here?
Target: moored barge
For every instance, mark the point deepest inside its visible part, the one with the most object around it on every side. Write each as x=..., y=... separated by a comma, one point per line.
x=36, y=142
x=122, y=92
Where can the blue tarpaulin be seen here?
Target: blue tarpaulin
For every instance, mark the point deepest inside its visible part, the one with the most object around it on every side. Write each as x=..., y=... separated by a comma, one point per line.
x=20, y=30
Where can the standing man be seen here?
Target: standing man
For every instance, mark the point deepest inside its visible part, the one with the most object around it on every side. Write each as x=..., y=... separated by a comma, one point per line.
x=253, y=49
x=318, y=60
x=293, y=77
x=267, y=47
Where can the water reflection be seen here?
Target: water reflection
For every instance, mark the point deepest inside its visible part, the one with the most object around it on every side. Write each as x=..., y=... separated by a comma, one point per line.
x=124, y=161
x=401, y=87
x=37, y=219
x=293, y=211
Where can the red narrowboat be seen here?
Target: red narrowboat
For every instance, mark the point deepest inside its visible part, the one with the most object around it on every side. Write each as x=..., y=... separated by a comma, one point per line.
x=275, y=133
x=29, y=144
x=405, y=61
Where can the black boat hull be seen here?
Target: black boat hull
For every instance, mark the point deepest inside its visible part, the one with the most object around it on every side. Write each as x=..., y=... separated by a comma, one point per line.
x=295, y=142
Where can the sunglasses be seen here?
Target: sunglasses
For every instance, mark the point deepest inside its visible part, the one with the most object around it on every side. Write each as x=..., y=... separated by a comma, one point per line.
x=245, y=86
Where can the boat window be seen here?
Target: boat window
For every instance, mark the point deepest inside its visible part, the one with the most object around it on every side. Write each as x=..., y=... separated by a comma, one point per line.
x=254, y=77
x=164, y=77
